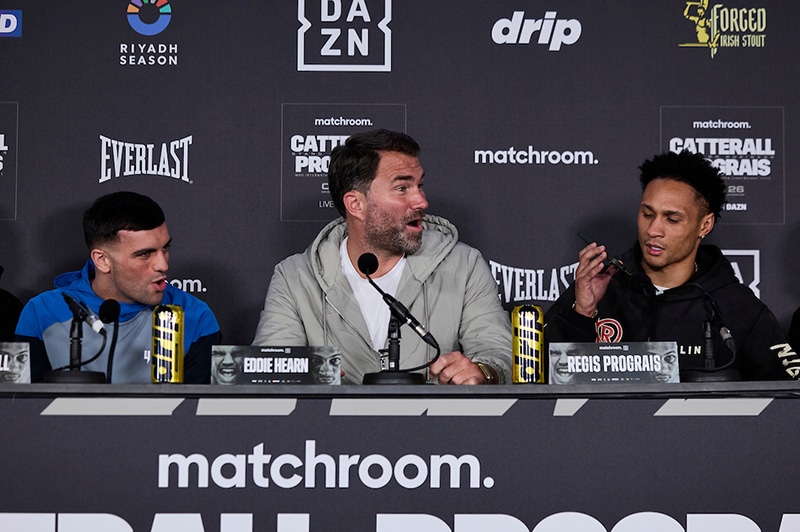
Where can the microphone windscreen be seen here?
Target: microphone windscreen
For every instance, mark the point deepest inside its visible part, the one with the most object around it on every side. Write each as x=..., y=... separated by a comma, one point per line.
x=368, y=263
x=109, y=311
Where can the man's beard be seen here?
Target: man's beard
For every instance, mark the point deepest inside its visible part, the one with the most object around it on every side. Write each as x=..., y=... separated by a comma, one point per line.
x=382, y=234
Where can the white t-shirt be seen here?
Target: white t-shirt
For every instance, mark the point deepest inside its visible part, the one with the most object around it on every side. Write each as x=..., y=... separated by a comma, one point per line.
x=374, y=309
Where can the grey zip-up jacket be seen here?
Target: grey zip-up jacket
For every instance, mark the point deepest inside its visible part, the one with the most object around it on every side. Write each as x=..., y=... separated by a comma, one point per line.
x=446, y=285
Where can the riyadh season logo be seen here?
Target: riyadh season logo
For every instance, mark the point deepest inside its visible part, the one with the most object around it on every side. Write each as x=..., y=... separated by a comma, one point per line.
x=148, y=18
x=10, y=23
x=725, y=27
x=125, y=159
x=344, y=35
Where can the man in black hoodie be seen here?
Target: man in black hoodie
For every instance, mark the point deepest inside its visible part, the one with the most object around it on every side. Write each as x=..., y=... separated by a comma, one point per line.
x=671, y=288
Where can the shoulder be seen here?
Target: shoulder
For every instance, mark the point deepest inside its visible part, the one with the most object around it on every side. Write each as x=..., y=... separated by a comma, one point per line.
x=42, y=311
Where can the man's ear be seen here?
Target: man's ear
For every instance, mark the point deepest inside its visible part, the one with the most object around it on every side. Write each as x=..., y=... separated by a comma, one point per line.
x=101, y=260
x=355, y=204
x=707, y=224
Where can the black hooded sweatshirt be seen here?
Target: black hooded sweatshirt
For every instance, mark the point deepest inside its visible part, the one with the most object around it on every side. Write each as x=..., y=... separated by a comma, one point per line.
x=631, y=311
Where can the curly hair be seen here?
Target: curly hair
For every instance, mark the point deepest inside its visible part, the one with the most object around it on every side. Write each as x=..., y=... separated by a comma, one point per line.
x=694, y=170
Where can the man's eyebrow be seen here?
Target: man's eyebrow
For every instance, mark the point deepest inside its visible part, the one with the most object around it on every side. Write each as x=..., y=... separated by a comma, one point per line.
x=407, y=178
x=668, y=213
x=150, y=250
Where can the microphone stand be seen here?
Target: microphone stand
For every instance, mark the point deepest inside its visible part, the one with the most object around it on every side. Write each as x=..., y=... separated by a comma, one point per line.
x=75, y=340
x=111, y=350
x=75, y=375
x=393, y=375
x=394, y=344
x=710, y=371
x=708, y=345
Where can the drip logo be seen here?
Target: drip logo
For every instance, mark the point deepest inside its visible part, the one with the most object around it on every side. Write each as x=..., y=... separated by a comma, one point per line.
x=10, y=23
x=548, y=31
x=149, y=17
x=344, y=35
x=725, y=27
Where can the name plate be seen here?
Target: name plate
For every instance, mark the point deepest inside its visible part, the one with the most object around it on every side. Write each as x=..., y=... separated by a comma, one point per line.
x=250, y=364
x=15, y=362
x=593, y=363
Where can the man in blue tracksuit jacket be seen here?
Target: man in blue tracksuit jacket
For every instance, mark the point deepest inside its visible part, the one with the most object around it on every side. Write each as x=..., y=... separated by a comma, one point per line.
x=129, y=244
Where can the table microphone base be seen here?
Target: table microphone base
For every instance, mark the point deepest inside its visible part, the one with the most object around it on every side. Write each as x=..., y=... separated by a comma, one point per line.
x=75, y=377
x=394, y=377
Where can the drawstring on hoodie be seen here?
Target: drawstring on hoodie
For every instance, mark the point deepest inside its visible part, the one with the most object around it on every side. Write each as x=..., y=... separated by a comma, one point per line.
x=324, y=317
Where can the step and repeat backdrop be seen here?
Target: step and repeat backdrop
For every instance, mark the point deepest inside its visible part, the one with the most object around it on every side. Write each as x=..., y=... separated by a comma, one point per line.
x=533, y=117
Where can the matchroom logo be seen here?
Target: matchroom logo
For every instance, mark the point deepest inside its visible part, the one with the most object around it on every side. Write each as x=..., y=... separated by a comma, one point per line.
x=344, y=35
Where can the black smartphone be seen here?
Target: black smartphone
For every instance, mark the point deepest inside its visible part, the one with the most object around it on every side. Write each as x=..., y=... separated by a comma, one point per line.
x=611, y=260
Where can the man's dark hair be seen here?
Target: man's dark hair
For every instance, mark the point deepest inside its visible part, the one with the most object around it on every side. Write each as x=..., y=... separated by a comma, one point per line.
x=692, y=169
x=354, y=164
x=119, y=211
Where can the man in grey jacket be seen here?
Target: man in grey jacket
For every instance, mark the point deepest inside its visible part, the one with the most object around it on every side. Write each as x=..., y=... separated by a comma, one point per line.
x=319, y=297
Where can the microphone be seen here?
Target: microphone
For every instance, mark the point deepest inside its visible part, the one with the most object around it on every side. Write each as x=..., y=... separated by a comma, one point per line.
x=715, y=317
x=713, y=320
x=368, y=264
x=109, y=313
x=83, y=313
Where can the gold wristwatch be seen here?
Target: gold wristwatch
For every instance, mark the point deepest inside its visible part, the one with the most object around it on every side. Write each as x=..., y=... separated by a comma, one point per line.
x=486, y=373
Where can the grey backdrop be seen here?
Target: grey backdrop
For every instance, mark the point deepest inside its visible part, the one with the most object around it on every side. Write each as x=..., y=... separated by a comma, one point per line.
x=616, y=79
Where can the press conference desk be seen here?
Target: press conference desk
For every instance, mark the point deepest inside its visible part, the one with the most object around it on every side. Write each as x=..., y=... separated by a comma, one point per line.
x=714, y=456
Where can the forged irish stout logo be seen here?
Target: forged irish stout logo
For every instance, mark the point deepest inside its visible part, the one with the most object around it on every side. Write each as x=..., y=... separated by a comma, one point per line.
x=717, y=26
x=344, y=35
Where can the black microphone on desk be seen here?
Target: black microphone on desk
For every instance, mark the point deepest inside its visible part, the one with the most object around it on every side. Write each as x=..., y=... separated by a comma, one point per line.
x=713, y=320
x=368, y=264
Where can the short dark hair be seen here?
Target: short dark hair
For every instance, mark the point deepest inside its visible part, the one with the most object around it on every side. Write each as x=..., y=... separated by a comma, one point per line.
x=354, y=164
x=694, y=170
x=119, y=211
